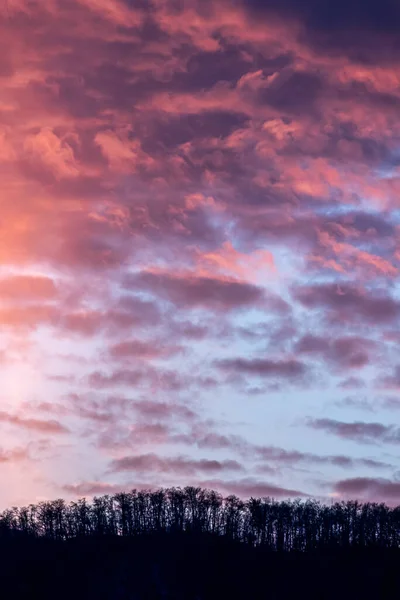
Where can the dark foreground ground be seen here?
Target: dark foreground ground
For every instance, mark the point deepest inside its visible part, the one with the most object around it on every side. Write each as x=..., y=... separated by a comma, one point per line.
x=190, y=568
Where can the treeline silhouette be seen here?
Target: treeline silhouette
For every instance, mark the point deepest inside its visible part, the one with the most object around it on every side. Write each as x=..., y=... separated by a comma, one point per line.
x=283, y=526
x=193, y=544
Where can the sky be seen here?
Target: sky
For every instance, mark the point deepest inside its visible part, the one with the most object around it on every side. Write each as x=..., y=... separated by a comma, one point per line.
x=200, y=248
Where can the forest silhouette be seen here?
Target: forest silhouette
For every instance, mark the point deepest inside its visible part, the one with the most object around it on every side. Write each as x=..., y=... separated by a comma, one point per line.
x=192, y=543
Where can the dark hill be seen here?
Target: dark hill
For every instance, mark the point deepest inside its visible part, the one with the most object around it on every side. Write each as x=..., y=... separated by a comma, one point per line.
x=192, y=544
x=190, y=567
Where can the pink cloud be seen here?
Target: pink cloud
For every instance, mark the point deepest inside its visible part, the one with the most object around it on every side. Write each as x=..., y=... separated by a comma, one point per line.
x=255, y=267
x=193, y=291
x=136, y=436
x=247, y=488
x=358, y=430
x=10, y=456
x=124, y=155
x=348, y=301
x=142, y=349
x=27, y=288
x=149, y=463
x=117, y=13
x=46, y=148
x=272, y=454
x=369, y=489
x=346, y=352
x=39, y=425
x=289, y=368
x=29, y=317
x=129, y=313
x=154, y=378
x=149, y=409
x=390, y=381
x=93, y=488
x=121, y=377
x=344, y=257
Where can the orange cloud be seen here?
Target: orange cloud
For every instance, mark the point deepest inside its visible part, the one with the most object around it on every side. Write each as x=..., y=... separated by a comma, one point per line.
x=349, y=257
x=53, y=153
x=256, y=266
x=122, y=153
x=27, y=288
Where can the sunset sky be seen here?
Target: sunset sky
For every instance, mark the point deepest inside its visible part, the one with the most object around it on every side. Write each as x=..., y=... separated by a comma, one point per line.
x=200, y=247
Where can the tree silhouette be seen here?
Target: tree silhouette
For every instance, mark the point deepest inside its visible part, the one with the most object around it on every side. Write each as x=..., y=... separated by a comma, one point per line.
x=290, y=525
x=193, y=544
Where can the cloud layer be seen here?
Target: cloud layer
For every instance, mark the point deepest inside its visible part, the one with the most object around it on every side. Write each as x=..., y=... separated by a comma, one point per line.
x=200, y=246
